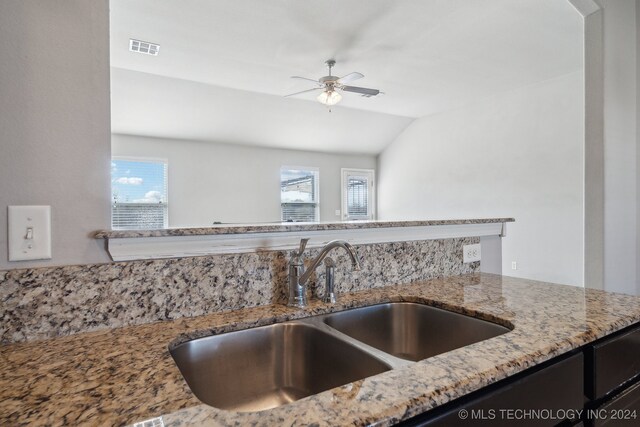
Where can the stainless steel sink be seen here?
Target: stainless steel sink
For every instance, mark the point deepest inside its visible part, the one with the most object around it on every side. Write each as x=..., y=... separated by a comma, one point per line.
x=265, y=367
x=412, y=331
x=269, y=366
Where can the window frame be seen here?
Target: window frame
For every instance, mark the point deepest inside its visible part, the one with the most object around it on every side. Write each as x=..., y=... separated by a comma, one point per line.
x=166, y=187
x=316, y=190
x=371, y=214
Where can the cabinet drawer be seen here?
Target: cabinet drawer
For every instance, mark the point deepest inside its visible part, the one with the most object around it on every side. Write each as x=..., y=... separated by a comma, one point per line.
x=612, y=362
x=556, y=387
x=622, y=410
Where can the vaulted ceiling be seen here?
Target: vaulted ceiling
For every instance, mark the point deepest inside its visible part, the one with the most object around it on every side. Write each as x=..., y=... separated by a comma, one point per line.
x=224, y=65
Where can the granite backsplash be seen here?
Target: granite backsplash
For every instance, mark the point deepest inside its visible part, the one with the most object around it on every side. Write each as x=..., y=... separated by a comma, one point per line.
x=46, y=302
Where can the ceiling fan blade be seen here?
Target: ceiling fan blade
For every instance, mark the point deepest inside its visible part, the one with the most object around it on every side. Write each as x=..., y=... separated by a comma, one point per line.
x=350, y=77
x=304, y=78
x=361, y=90
x=304, y=91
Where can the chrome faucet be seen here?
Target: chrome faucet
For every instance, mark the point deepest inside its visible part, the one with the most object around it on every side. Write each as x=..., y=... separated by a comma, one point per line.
x=298, y=277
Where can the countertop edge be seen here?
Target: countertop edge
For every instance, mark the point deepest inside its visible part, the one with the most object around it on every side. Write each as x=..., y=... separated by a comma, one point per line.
x=287, y=227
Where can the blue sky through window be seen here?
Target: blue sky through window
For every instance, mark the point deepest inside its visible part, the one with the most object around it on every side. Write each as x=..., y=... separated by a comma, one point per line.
x=298, y=186
x=134, y=181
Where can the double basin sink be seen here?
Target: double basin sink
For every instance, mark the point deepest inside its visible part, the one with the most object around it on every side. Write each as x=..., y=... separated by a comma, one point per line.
x=269, y=366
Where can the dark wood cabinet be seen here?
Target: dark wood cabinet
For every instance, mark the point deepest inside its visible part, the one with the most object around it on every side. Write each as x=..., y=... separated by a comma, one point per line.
x=596, y=385
x=554, y=387
x=612, y=380
x=623, y=409
x=611, y=362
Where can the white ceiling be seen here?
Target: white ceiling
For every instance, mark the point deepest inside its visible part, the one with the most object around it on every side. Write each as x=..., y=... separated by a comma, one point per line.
x=173, y=108
x=427, y=56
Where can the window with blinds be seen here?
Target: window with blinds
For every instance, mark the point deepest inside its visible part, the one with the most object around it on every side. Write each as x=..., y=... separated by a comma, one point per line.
x=299, y=194
x=138, y=194
x=358, y=197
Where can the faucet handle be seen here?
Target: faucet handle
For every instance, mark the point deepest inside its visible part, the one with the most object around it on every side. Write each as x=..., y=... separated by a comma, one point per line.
x=296, y=256
x=303, y=244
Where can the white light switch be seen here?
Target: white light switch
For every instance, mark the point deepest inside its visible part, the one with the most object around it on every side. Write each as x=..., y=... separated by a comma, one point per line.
x=29, y=232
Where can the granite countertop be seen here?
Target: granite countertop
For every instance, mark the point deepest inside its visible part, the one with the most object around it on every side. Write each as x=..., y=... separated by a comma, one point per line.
x=284, y=227
x=126, y=375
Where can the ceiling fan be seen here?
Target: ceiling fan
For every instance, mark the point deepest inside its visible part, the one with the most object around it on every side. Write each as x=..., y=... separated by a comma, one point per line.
x=332, y=85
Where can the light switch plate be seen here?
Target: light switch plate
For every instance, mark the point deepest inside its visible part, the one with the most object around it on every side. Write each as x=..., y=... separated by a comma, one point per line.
x=471, y=253
x=29, y=232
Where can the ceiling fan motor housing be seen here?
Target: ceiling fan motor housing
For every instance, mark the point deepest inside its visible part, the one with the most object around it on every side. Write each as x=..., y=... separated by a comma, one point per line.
x=329, y=79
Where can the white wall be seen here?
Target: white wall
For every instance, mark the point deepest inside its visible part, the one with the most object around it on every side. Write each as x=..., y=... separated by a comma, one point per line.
x=201, y=176
x=516, y=154
x=54, y=133
x=54, y=121
x=593, y=144
x=637, y=149
x=620, y=146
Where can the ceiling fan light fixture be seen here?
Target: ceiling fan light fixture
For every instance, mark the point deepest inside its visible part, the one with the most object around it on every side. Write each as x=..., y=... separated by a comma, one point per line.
x=329, y=97
x=330, y=85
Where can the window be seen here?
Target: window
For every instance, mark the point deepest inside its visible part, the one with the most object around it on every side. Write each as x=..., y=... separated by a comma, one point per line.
x=358, y=196
x=138, y=194
x=299, y=194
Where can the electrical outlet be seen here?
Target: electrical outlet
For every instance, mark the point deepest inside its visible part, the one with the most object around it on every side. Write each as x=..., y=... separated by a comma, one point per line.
x=514, y=265
x=337, y=212
x=471, y=253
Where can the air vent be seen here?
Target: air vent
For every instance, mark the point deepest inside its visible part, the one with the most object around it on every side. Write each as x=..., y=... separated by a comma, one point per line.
x=144, y=47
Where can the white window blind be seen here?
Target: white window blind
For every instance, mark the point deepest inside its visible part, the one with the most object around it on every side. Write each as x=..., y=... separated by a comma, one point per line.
x=358, y=197
x=299, y=194
x=138, y=194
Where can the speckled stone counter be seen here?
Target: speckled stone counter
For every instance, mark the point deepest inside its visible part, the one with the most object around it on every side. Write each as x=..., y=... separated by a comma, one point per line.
x=51, y=301
x=284, y=227
x=126, y=375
